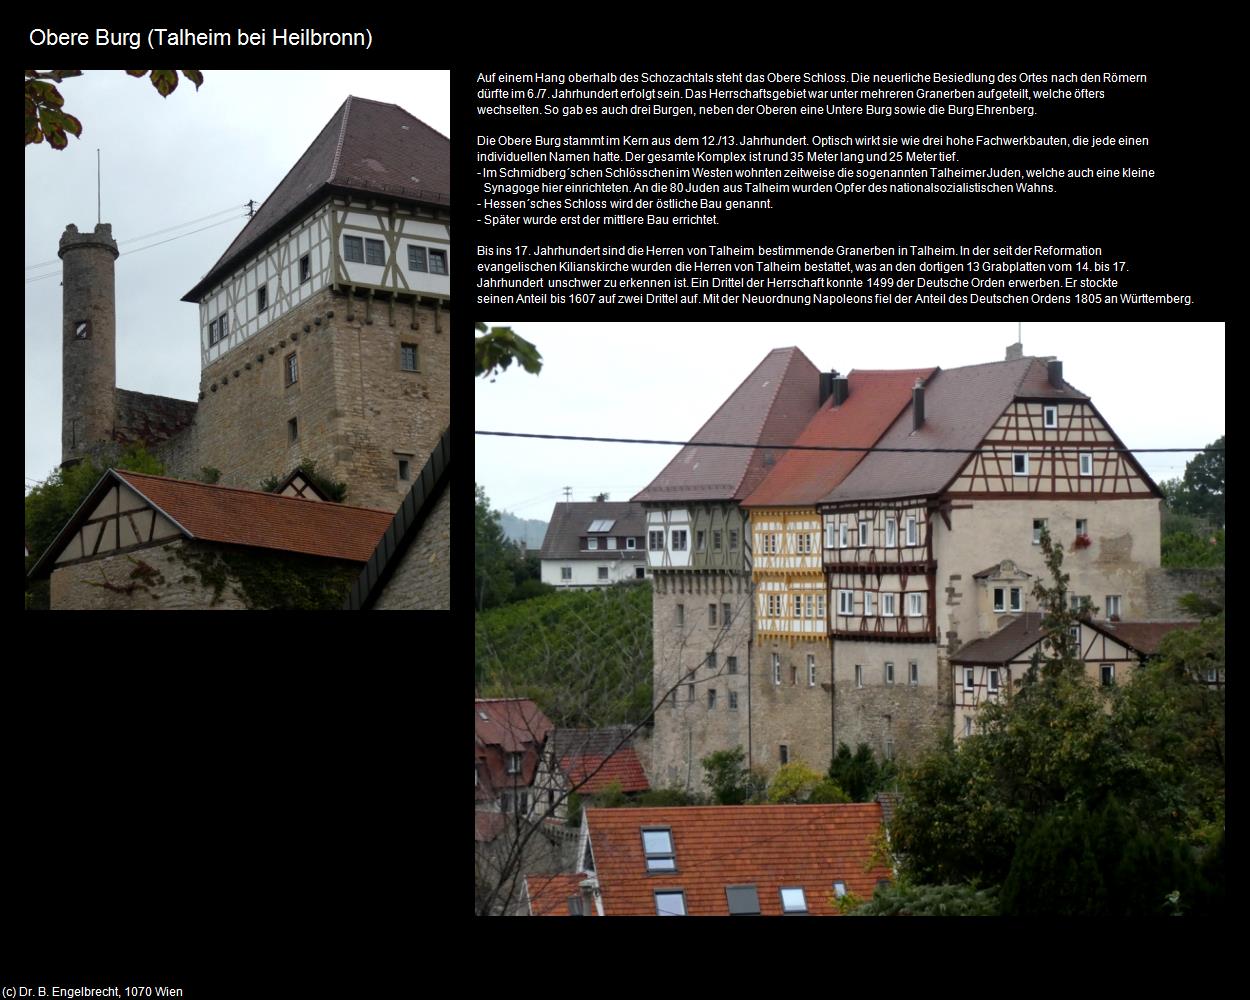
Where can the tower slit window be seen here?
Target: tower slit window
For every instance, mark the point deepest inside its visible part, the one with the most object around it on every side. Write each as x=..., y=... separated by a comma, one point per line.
x=292, y=369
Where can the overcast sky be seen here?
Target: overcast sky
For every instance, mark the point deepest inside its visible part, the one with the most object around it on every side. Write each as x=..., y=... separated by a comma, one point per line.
x=1158, y=385
x=167, y=162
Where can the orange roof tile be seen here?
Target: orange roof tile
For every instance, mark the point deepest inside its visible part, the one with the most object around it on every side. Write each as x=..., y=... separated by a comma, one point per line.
x=808, y=846
x=549, y=894
x=263, y=520
x=803, y=477
x=623, y=766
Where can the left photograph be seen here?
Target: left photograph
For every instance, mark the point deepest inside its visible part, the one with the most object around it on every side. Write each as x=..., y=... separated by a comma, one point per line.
x=237, y=316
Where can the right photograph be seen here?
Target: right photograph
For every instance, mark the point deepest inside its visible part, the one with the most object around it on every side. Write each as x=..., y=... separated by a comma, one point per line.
x=855, y=545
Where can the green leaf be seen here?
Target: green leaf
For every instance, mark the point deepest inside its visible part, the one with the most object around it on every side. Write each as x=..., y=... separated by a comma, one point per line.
x=195, y=76
x=165, y=81
x=137, y=72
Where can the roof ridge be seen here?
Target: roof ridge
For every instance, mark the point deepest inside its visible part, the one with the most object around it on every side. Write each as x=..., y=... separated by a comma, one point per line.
x=338, y=147
x=795, y=353
x=240, y=489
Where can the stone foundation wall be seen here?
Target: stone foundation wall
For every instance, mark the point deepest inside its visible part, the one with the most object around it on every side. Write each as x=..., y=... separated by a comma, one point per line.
x=149, y=579
x=423, y=579
x=792, y=713
x=914, y=717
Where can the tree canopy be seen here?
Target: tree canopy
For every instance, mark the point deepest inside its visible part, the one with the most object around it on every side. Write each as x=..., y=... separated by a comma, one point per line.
x=46, y=117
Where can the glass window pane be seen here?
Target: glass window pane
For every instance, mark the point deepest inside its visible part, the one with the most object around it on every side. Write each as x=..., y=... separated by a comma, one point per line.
x=793, y=901
x=670, y=904
x=657, y=842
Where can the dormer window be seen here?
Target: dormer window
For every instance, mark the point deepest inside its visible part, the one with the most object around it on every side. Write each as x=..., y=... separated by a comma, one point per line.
x=1050, y=417
x=1000, y=598
x=657, y=846
x=1017, y=599
x=514, y=763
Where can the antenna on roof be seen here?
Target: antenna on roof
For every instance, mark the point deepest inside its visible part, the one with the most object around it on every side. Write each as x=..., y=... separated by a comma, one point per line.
x=251, y=207
x=98, y=215
x=1019, y=333
x=568, y=493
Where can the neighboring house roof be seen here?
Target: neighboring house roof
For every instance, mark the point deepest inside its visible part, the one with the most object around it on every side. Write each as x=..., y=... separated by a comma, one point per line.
x=1142, y=637
x=770, y=847
x=591, y=758
x=570, y=522
x=503, y=726
x=804, y=477
x=300, y=484
x=231, y=516
x=404, y=526
x=488, y=825
x=548, y=895
x=366, y=147
x=997, y=570
x=771, y=407
x=889, y=804
x=142, y=417
x=961, y=406
x=1004, y=645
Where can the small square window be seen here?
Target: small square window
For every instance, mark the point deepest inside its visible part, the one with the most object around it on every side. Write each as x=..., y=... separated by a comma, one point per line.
x=657, y=845
x=592, y=544
x=354, y=249
x=670, y=904
x=438, y=262
x=1020, y=463
x=743, y=900
x=733, y=701
x=416, y=258
x=603, y=573
x=1087, y=463
x=1000, y=599
x=783, y=752
x=731, y=664
x=292, y=430
x=262, y=298
x=566, y=572
x=292, y=369
x=1050, y=417
x=375, y=252
x=408, y=357
x=403, y=469
x=631, y=543
x=640, y=573
x=793, y=900
x=305, y=269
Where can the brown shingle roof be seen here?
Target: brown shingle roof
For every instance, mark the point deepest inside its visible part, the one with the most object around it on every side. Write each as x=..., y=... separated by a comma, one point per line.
x=808, y=846
x=262, y=520
x=1144, y=637
x=772, y=406
x=367, y=146
x=570, y=521
x=804, y=477
x=1004, y=645
x=960, y=407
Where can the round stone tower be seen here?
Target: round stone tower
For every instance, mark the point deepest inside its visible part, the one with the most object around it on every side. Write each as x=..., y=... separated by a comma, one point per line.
x=88, y=342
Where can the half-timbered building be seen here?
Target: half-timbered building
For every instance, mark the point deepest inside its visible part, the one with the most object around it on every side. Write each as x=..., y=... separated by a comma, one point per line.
x=699, y=554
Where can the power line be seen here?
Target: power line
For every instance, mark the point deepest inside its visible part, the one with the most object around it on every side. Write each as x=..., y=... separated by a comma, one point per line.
x=858, y=449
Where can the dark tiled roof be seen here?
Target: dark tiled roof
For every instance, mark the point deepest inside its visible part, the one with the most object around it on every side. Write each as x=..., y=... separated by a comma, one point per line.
x=1144, y=637
x=1004, y=645
x=404, y=527
x=147, y=419
x=804, y=477
x=772, y=406
x=263, y=520
x=367, y=147
x=960, y=407
x=511, y=725
x=808, y=846
x=570, y=521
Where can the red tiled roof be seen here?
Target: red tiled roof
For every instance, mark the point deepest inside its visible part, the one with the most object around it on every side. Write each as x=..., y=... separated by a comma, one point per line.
x=366, y=146
x=511, y=725
x=772, y=406
x=623, y=766
x=263, y=520
x=808, y=846
x=804, y=477
x=549, y=894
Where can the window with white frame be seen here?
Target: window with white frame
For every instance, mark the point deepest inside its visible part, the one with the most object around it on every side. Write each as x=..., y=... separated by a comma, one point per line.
x=1017, y=598
x=1075, y=633
x=1039, y=525
x=1107, y=673
x=657, y=847
x=967, y=725
x=846, y=602
x=915, y=605
x=859, y=675
x=1020, y=463
x=970, y=678
x=809, y=606
x=1082, y=526
x=891, y=532
x=811, y=670
x=1087, y=463
x=870, y=604
x=913, y=672
x=776, y=669
x=793, y=900
x=592, y=543
x=913, y=531
x=514, y=763
x=843, y=535
x=993, y=679
x=798, y=605
x=1079, y=603
x=864, y=531
x=603, y=572
x=1050, y=417
x=889, y=672
x=1000, y=598
x=566, y=572
x=820, y=606
x=631, y=542
x=839, y=889
x=887, y=605
x=830, y=535
x=1113, y=605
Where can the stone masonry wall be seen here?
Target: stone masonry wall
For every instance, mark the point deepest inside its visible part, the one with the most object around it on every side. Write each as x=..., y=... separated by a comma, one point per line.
x=151, y=579
x=686, y=728
x=423, y=579
x=792, y=712
x=88, y=365
x=1165, y=587
x=357, y=412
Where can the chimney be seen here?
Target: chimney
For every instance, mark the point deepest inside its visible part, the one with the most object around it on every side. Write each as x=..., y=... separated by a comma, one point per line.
x=600, y=497
x=587, y=886
x=1054, y=373
x=826, y=387
x=1015, y=351
x=841, y=389
x=917, y=405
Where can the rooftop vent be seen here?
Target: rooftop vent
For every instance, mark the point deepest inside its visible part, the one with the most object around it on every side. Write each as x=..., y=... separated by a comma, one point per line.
x=917, y=405
x=841, y=389
x=1054, y=373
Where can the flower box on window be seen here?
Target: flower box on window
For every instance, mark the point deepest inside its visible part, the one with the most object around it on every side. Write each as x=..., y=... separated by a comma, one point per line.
x=1082, y=542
